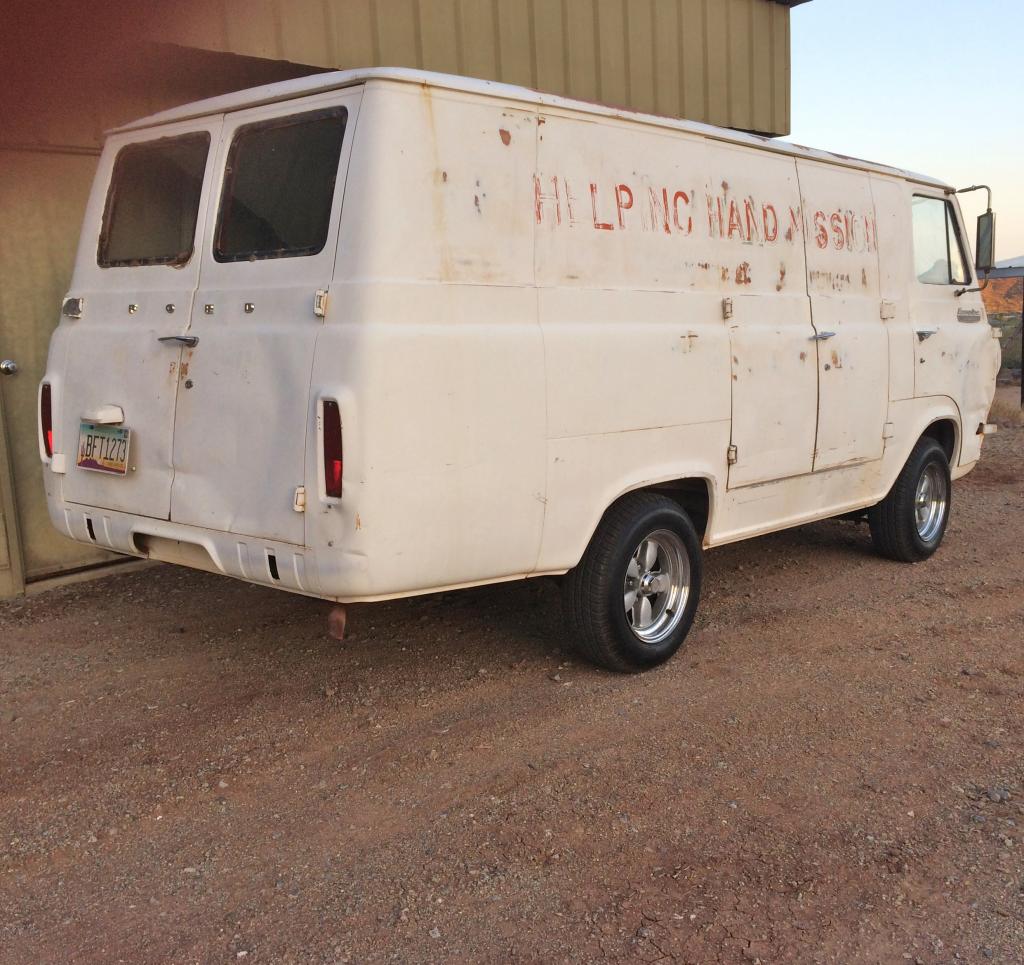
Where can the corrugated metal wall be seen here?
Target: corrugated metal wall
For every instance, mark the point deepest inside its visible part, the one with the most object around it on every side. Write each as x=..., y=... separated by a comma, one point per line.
x=721, y=61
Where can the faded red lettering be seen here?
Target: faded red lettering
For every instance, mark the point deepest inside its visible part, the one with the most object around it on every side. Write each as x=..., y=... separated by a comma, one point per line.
x=570, y=202
x=735, y=224
x=770, y=220
x=753, y=228
x=820, y=229
x=623, y=203
x=599, y=225
x=685, y=198
x=659, y=210
x=715, y=217
x=838, y=235
x=541, y=199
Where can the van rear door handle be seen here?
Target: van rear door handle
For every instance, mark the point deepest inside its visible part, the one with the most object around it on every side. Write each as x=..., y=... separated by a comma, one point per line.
x=925, y=333
x=190, y=340
x=822, y=336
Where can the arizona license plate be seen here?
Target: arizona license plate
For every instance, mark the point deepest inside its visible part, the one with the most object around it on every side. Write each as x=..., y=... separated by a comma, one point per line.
x=103, y=448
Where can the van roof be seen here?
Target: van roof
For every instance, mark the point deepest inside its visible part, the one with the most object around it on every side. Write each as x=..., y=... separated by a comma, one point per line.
x=338, y=79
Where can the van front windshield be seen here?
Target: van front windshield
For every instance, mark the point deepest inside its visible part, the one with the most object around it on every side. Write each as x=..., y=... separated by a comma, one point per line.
x=153, y=202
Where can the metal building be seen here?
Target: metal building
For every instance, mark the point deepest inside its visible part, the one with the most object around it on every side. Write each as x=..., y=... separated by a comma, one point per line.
x=73, y=70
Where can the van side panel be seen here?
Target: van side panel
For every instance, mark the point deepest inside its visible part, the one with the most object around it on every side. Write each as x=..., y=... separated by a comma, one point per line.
x=432, y=348
x=636, y=349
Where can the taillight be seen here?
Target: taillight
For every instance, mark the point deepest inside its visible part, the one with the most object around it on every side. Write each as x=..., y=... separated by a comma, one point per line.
x=332, y=449
x=46, y=419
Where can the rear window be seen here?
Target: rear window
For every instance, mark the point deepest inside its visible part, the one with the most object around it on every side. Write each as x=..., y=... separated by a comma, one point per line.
x=153, y=202
x=279, y=186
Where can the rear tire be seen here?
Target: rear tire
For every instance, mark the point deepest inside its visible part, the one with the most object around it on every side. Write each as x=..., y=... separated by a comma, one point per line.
x=908, y=525
x=631, y=600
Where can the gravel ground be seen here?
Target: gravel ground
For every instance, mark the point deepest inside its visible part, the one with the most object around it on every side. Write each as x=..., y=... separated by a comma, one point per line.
x=831, y=771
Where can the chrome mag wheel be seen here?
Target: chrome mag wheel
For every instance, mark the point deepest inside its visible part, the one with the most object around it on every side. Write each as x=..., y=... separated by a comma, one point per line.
x=931, y=502
x=657, y=586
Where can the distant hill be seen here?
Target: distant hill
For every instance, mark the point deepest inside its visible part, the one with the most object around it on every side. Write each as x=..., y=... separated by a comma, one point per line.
x=1003, y=295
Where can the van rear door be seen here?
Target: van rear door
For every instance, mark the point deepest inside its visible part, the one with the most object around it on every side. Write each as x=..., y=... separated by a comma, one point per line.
x=136, y=273
x=243, y=411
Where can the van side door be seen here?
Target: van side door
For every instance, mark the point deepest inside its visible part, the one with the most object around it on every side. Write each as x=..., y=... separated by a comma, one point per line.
x=243, y=413
x=851, y=342
x=757, y=250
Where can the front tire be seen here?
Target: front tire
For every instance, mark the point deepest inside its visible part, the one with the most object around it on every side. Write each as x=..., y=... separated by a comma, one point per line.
x=631, y=600
x=908, y=525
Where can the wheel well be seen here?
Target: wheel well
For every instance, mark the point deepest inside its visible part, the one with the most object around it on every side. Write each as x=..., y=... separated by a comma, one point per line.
x=693, y=495
x=944, y=433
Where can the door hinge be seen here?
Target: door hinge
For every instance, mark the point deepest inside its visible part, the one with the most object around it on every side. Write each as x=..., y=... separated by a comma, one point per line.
x=888, y=311
x=320, y=303
x=299, y=500
x=888, y=430
x=726, y=308
x=732, y=455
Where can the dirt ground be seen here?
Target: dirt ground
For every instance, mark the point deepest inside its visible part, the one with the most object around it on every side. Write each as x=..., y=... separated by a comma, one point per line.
x=831, y=771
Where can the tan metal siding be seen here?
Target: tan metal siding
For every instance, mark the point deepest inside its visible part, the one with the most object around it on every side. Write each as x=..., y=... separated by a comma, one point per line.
x=42, y=196
x=721, y=61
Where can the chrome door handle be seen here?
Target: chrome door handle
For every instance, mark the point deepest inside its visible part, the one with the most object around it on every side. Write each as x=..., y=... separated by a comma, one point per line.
x=822, y=336
x=190, y=340
x=8, y=367
x=923, y=334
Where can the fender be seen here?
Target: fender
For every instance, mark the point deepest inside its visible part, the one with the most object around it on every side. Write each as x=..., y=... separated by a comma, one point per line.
x=587, y=474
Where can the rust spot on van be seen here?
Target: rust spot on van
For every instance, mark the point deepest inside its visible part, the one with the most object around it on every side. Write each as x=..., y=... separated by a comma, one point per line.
x=836, y=363
x=444, y=177
x=506, y=138
x=743, y=274
x=476, y=203
x=864, y=277
x=359, y=522
x=803, y=356
x=789, y=233
x=725, y=273
x=184, y=371
x=725, y=185
x=782, y=278
x=174, y=365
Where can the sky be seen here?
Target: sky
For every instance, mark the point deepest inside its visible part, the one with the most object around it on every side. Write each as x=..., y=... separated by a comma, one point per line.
x=934, y=86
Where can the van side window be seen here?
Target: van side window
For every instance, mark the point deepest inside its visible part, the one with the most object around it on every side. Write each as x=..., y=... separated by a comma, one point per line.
x=278, y=187
x=938, y=251
x=153, y=202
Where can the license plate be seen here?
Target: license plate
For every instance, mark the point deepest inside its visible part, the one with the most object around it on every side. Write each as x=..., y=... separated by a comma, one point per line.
x=103, y=448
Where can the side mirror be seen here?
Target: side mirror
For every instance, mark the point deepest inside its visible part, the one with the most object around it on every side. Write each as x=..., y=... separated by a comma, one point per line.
x=985, y=249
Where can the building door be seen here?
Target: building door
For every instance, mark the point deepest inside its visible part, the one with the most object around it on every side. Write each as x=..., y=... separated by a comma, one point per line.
x=42, y=196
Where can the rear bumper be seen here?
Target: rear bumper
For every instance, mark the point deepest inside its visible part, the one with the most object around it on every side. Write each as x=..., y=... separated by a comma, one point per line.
x=284, y=566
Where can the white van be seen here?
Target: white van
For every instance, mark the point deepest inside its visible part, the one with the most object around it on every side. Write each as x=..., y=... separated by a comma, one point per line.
x=378, y=333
